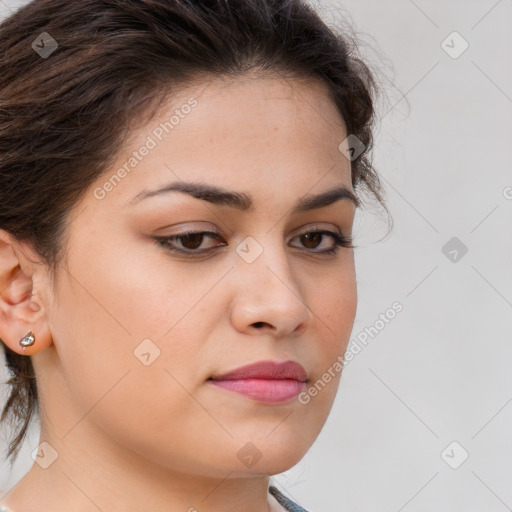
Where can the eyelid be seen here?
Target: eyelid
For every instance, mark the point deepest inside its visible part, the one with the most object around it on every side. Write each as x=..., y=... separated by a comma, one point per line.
x=321, y=225
x=191, y=230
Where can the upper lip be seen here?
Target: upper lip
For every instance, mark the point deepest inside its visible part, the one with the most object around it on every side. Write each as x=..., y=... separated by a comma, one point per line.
x=266, y=370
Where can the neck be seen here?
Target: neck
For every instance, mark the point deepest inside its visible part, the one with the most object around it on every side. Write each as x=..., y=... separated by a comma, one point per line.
x=83, y=479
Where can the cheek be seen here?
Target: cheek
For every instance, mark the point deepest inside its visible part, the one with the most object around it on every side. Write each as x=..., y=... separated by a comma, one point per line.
x=336, y=303
x=107, y=311
x=106, y=384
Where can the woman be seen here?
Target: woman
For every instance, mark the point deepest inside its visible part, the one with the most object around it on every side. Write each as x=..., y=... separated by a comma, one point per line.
x=178, y=184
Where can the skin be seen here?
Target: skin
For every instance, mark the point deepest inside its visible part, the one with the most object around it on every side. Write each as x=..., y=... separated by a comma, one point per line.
x=131, y=437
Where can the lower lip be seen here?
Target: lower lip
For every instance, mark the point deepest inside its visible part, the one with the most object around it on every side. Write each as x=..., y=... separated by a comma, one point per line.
x=264, y=390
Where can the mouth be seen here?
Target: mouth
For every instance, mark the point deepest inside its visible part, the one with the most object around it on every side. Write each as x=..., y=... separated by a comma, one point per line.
x=266, y=370
x=272, y=391
x=265, y=381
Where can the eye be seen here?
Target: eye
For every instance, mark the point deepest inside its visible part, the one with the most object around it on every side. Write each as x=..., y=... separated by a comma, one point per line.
x=190, y=242
x=316, y=237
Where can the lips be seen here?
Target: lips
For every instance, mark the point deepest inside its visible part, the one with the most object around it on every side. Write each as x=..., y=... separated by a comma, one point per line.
x=269, y=391
x=266, y=370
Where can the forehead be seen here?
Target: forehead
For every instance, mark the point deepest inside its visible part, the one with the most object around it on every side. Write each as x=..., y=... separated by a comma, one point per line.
x=239, y=133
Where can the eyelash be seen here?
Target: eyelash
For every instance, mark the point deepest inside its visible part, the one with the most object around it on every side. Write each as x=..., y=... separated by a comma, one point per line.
x=165, y=241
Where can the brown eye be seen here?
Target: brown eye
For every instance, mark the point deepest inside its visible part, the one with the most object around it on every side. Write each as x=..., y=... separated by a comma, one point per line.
x=188, y=242
x=312, y=239
x=192, y=241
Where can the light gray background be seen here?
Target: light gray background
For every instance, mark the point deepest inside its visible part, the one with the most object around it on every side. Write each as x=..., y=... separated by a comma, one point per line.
x=439, y=372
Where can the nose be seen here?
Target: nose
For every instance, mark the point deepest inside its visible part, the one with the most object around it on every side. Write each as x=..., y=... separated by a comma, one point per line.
x=268, y=297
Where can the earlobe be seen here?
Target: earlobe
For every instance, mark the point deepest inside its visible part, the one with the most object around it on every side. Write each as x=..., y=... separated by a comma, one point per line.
x=23, y=325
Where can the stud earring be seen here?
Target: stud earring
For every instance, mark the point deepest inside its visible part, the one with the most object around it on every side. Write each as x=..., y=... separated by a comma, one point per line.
x=28, y=340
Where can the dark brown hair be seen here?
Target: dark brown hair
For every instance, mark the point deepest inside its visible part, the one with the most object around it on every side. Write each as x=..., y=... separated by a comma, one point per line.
x=63, y=117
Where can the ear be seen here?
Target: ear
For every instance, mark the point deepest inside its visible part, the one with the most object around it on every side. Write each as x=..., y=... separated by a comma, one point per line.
x=21, y=307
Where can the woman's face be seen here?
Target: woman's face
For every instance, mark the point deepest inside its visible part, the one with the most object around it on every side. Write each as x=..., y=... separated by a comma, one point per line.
x=139, y=329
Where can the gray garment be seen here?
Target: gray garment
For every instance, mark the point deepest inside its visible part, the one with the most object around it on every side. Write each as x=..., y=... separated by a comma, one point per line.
x=283, y=500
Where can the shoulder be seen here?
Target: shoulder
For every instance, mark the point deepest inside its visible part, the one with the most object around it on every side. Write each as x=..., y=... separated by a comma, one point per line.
x=283, y=500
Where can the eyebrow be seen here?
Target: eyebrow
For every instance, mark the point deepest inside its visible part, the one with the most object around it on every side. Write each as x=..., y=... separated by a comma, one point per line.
x=241, y=200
